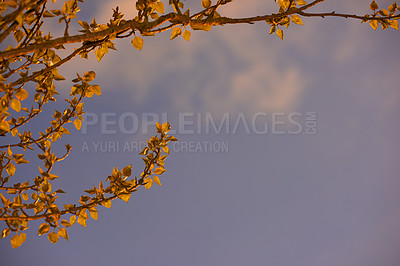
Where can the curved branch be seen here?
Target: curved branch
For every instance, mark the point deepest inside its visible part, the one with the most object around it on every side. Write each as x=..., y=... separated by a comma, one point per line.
x=131, y=24
x=95, y=203
x=175, y=19
x=333, y=14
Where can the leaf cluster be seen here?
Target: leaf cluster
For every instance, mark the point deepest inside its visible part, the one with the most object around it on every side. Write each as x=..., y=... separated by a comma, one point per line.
x=30, y=78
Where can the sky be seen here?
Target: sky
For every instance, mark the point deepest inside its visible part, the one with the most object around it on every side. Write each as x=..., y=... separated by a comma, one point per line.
x=305, y=172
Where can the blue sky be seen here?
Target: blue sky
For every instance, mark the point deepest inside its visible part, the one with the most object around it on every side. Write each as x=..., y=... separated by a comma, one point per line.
x=326, y=198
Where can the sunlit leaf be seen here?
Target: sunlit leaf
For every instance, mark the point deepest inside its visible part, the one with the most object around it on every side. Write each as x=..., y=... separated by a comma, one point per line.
x=5, y=233
x=11, y=169
x=25, y=196
x=125, y=197
x=157, y=180
x=81, y=221
x=43, y=229
x=374, y=24
x=127, y=171
x=47, y=14
x=96, y=90
x=166, y=127
x=84, y=25
x=176, y=32
x=65, y=223
x=297, y=20
x=197, y=25
x=21, y=94
x=186, y=35
x=78, y=124
x=99, y=53
x=18, y=240
x=107, y=204
x=159, y=171
x=18, y=35
x=279, y=32
x=53, y=237
x=374, y=6
x=394, y=24
x=206, y=3
x=272, y=30
x=89, y=76
x=301, y=2
x=148, y=183
x=166, y=149
x=159, y=7
x=16, y=105
x=63, y=233
x=137, y=42
x=5, y=126
x=72, y=219
x=93, y=213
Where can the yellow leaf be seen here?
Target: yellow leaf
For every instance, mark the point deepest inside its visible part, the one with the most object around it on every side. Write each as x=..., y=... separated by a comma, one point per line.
x=82, y=221
x=160, y=7
x=43, y=229
x=186, y=35
x=16, y=105
x=125, y=197
x=284, y=3
x=89, y=76
x=272, y=30
x=83, y=214
x=11, y=169
x=137, y=42
x=65, y=223
x=53, y=237
x=149, y=183
x=25, y=196
x=157, y=180
x=5, y=232
x=176, y=32
x=5, y=126
x=99, y=54
x=385, y=12
x=96, y=90
x=206, y=3
x=18, y=240
x=301, y=2
x=78, y=124
x=159, y=171
x=21, y=94
x=172, y=138
x=199, y=25
x=166, y=127
x=394, y=24
x=166, y=149
x=297, y=20
x=127, y=171
x=47, y=14
x=14, y=132
x=72, y=219
x=279, y=32
x=63, y=233
x=393, y=7
x=107, y=204
x=93, y=213
x=373, y=6
x=374, y=24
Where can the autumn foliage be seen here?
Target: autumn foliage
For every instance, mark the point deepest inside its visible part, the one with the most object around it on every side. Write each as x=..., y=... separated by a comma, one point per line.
x=29, y=78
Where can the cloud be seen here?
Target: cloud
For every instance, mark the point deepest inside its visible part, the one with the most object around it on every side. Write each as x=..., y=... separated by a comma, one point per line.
x=217, y=71
x=231, y=67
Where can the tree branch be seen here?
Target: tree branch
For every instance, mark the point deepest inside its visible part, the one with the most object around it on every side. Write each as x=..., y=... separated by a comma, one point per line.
x=175, y=20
